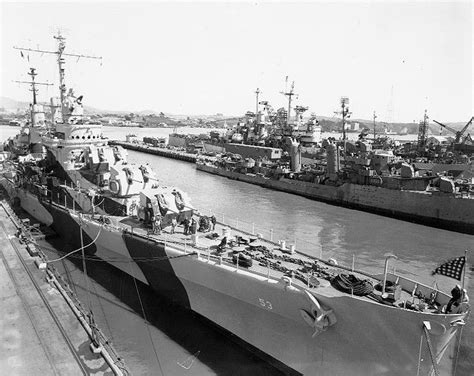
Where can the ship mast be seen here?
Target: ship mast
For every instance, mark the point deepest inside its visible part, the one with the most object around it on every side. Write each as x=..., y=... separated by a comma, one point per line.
x=33, y=83
x=289, y=94
x=61, y=61
x=345, y=113
x=375, y=117
x=62, y=82
x=34, y=110
x=422, y=131
x=257, y=92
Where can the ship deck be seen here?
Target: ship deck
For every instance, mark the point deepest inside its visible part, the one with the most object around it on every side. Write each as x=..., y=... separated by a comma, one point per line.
x=272, y=261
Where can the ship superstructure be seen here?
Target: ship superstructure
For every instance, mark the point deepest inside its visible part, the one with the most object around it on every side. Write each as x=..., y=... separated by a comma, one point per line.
x=307, y=315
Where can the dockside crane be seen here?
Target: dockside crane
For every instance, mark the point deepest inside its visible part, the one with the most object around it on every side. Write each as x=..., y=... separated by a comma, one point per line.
x=458, y=134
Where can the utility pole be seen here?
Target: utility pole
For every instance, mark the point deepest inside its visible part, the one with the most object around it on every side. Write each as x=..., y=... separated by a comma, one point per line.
x=61, y=61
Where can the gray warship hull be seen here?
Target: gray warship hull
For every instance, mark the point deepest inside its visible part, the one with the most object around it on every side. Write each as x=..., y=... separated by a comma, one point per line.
x=368, y=338
x=440, y=210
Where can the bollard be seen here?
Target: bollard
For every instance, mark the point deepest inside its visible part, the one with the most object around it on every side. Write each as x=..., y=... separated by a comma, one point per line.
x=292, y=249
x=271, y=234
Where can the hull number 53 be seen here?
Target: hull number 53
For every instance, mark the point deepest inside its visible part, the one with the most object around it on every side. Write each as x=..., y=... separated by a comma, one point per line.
x=265, y=303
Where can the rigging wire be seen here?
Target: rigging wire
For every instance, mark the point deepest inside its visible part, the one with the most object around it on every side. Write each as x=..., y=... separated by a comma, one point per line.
x=124, y=260
x=99, y=300
x=79, y=249
x=146, y=323
x=84, y=268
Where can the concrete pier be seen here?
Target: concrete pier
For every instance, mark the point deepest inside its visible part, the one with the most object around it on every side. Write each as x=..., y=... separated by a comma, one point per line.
x=162, y=152
x=39, y=332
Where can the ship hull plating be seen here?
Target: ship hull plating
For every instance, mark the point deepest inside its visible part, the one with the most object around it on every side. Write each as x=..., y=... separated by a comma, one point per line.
x=442, y=211
x=368, y=339
x=365, y=341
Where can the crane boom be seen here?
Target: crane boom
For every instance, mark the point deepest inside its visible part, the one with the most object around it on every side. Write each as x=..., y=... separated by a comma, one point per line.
x=447, y=127
x=458, y=134
x=466, y=126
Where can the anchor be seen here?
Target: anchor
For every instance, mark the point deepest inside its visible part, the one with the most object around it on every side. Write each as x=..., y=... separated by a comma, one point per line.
x=320, y=319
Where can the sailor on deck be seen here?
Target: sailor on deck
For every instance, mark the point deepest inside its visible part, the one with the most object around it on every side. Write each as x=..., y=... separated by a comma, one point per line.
x=459, y=302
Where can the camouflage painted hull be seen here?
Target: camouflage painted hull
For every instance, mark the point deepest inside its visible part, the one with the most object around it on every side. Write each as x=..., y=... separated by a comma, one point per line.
x=368, y=339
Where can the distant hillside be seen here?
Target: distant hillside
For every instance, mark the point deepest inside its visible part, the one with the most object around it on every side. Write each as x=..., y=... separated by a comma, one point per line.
x=327, y=123
x=12, y=104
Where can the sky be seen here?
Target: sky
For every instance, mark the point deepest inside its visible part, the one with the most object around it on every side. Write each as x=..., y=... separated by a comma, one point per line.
x=395, y=58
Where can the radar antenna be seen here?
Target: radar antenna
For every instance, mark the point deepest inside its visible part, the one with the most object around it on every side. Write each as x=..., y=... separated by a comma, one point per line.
x=61, y=61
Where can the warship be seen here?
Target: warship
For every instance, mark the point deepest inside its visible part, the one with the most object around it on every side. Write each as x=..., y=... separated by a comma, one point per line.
x=304, y=314
x=349, y=174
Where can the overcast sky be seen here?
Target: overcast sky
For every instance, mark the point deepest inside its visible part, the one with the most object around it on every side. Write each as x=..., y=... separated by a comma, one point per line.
x=203, y=58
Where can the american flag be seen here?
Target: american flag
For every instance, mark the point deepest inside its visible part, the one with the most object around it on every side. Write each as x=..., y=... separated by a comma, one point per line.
x=453, y=268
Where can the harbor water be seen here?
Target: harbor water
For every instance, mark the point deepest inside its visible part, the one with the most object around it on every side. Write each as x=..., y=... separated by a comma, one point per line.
x=158, y=339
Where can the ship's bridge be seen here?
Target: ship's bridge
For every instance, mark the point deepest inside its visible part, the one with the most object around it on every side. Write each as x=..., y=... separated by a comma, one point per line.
x=79, y=133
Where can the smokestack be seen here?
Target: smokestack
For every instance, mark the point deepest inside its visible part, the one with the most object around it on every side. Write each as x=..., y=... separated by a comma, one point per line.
x=295, y=155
